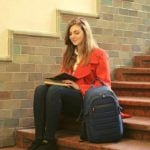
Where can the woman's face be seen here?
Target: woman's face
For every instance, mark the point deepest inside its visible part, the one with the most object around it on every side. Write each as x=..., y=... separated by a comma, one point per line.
x=76, y=35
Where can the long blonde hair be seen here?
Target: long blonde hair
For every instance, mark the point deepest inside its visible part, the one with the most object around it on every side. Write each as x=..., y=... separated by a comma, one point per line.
x=89, y=43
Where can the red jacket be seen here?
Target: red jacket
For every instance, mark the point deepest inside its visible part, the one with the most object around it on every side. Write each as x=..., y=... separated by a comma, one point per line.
x=98, y=66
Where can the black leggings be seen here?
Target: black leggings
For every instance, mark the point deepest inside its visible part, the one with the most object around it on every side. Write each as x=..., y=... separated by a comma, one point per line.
x=49, y=103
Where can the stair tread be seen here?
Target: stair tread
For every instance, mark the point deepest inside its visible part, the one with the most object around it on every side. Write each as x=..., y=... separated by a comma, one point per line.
x=137, y=122
x=72, y=140
x=134, y=70
x=130, y=84
x=134, y=101
x=143, y=56
x=132, y=74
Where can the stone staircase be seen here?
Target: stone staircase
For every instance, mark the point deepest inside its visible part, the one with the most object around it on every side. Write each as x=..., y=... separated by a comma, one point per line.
x=132, y=85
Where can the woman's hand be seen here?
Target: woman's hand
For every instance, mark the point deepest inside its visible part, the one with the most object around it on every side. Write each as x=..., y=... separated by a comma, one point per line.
x=72, y=84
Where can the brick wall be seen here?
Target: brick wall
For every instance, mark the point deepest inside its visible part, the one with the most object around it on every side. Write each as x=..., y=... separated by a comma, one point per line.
x=122, y=30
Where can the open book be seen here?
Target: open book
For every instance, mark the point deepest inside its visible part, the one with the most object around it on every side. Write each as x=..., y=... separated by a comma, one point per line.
x=57, y=80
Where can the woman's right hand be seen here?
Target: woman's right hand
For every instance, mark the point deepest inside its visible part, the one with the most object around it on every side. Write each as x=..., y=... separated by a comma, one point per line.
x=72, y=84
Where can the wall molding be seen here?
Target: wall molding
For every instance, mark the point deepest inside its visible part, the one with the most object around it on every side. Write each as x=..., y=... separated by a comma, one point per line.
x=8, y=58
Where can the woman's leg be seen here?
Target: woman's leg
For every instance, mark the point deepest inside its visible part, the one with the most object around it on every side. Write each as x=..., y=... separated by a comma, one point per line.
x=39, y=110
x=39, y=116
x=60, y=98
x=72, y=103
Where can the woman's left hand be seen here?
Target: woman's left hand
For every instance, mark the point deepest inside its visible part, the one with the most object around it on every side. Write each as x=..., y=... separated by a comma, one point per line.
x=72, y=84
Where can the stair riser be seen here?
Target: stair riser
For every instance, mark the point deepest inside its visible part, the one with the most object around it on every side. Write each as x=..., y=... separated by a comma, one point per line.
x=132, y=92
x=70, y=124
x=66, y=148
x=137, y=134
x=143, y=64
x=136, y=110
x=24, y=140
x=133, y=77
x=141, y=61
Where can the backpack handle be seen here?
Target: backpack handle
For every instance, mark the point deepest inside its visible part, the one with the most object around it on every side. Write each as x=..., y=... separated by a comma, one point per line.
x=99, y=79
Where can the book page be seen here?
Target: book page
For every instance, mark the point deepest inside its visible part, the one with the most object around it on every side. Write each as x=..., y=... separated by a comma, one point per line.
x=55, y=82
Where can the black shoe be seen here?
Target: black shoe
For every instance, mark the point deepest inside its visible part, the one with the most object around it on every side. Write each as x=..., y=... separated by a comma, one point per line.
x=48, y=145
x=35, y=144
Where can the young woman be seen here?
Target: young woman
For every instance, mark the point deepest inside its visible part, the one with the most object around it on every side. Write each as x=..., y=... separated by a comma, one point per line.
x=82, y=59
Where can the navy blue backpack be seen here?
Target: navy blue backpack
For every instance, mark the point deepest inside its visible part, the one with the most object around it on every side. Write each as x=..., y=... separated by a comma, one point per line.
x=102, y=120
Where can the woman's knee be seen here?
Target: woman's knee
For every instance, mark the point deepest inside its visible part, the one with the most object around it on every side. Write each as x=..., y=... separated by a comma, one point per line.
x=40, y=92
x=41, y=88
x=54, y=93
x=55, y=89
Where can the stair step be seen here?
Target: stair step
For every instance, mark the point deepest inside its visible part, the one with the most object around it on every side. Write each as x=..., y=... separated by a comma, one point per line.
x=128, y=88
x=71, y=141
x=130, y=125
x=12, y=148
x=132, y=74
x=137, y=127
x=142, y=61
x=134, y=101
x=136, y=106
x=137, y=123
x=24, y=137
